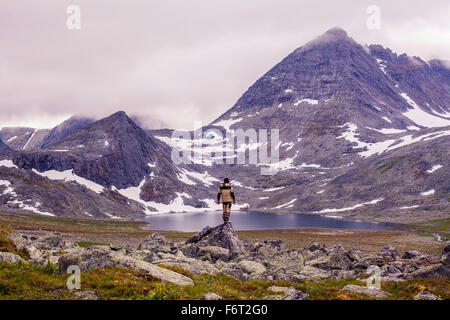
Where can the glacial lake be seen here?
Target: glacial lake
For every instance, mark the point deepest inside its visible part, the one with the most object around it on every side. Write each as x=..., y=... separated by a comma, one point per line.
x=196, y=221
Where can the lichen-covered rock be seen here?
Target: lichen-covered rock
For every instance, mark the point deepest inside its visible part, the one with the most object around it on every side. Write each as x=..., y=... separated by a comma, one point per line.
x=45, y=249
x=390, y=253
x=7, y=257
x=371, y=292
x=435, y=271
x=194, y=266
x=311, y=274
x=286, y=293
x=98, y=257
x=86, y=295
x=156, y=243
x=222, y=236
x=254, y=269
x=446, y=249
x=426, y=295
x=213, y=253
x=416, y=255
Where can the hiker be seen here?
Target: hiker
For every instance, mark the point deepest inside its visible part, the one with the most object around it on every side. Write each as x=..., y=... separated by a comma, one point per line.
x=227, y=193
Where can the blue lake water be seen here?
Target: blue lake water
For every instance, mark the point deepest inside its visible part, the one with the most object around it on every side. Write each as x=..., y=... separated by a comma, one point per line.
x=196, y=221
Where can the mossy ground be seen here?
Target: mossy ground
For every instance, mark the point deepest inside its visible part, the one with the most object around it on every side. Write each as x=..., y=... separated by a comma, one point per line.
x=441, y=227
x=23, y=281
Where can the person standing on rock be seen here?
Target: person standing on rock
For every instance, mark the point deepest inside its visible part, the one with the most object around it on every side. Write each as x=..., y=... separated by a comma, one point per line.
x=227, y=193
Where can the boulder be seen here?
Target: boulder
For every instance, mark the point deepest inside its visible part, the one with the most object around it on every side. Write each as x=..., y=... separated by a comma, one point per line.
x=435, y=271
x=252, y=268
x=86, y=295
x=8, y=257
x=286, y=293
x=415, y=255
x=45, y=249
x=156, y=243
x=296, y=295
x=446, y=249
x=194, y=266
x=222, y=236
x=390, y=253
x=426, y=295
x=310, y=274
x=313, y=246
x=283, y=290
x=211, y=296
x=213, y=253
x=100, y=257
x=371, y=292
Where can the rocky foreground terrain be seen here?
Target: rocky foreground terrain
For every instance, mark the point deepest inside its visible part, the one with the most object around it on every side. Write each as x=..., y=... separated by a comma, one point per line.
x=219, y=250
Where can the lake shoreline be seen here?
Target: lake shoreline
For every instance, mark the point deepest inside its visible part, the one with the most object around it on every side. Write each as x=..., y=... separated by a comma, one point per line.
x=253, y=220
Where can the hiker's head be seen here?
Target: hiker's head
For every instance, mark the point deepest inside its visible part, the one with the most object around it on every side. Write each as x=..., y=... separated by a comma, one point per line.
x=226, y=180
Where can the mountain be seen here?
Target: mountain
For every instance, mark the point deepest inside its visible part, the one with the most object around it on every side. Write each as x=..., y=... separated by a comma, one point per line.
x=363, y=132
x=66, y=128
x=341, y=108
x=23, y=138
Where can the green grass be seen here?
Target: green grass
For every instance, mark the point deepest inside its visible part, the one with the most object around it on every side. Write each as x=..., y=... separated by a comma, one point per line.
x=90, y=243
x=440, y=226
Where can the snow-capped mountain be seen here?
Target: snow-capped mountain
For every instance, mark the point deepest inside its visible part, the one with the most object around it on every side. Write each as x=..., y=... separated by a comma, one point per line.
x=362, y=130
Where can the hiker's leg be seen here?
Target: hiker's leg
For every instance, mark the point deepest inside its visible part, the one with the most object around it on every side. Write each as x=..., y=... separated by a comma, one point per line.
x=226, y=212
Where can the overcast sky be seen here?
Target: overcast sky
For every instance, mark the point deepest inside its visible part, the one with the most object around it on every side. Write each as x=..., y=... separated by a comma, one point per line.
x=173, y=62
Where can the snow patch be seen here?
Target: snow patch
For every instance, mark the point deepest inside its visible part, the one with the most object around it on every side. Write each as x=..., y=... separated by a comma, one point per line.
x=286, y=205
x=411, y=207
x=421, y=117
x=434, y=168
x=427, y=193
x=387, y=131
x=351, y=208
x=68, y=175
x=8, y=164
x=31, y=137
x=307, y=100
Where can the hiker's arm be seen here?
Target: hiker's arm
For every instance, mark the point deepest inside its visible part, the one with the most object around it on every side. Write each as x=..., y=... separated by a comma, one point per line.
x=232, y=195
x=218, y=196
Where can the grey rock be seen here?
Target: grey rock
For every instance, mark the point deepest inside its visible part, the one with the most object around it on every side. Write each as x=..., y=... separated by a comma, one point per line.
x=222, y=236
x=426, y=295
x=7, y=257
x=446, y=249
x=296, y=295
x=211, y=296
x=435, y=271
x=98, y=257
x=283, y=290
x=213, y=253
x=390, y=253
x=254, y=269
x=86, y=295
x=416, y=255
x=156, y=243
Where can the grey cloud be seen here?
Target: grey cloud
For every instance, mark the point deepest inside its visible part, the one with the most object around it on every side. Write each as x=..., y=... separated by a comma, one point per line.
x=171, y=63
